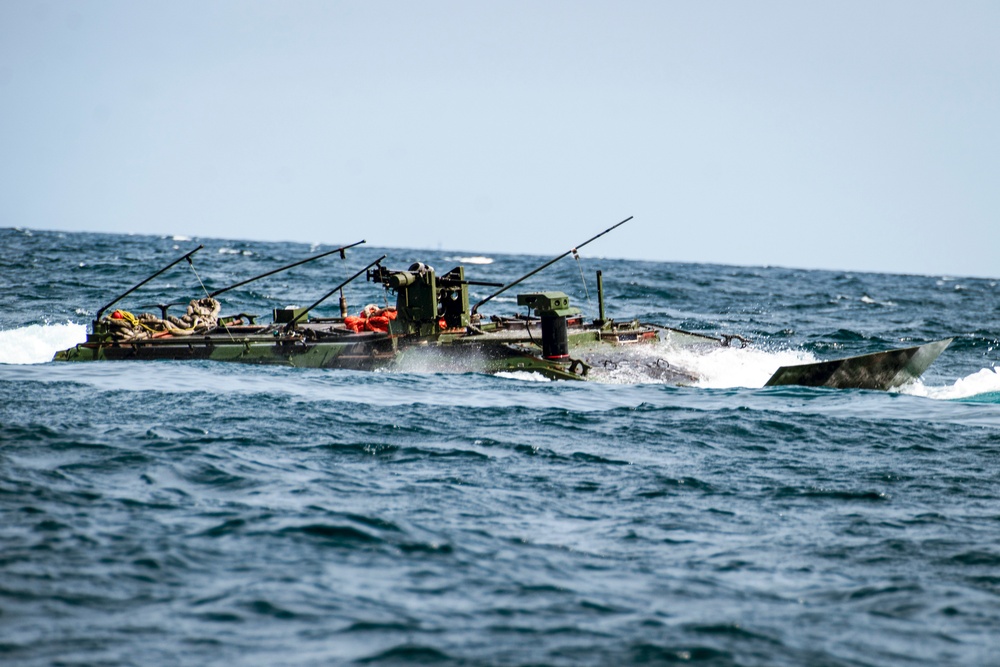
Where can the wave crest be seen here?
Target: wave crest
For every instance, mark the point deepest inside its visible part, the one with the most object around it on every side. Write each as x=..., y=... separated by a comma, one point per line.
x=38, y=343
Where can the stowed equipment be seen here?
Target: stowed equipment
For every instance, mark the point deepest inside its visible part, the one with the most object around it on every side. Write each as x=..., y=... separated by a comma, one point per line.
x=201, y=317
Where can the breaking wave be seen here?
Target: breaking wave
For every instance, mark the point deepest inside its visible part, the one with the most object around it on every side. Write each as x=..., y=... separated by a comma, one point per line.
x=38, y=343
x=983, y=385
x=525, y=376
x=235, y=251
x=715, y=367
x=731, y=367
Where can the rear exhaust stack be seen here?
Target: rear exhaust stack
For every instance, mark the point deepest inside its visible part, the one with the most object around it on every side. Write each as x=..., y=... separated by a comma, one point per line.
x=553, y=309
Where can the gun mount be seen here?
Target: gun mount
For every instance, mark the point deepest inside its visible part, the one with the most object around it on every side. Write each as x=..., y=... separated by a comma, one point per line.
x=426, y=303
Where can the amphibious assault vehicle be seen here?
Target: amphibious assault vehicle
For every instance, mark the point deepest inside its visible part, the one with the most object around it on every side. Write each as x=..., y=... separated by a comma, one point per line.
x=432, y=325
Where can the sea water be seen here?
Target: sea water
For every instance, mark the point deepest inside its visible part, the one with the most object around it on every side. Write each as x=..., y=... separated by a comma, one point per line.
x=201, y=513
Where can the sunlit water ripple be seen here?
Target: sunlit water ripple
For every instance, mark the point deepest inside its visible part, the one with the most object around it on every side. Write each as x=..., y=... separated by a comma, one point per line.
x=202, y=513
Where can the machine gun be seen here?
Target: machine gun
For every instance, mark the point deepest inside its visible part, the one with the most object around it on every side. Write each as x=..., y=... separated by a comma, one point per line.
x=426, y=303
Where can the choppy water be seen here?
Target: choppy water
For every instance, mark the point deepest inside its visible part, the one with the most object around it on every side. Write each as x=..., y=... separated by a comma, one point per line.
x=202, y=513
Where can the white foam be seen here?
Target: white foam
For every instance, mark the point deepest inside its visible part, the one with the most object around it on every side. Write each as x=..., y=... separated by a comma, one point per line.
x=478, y=259
x=524, y=376
x=984, y=381
x=728, y=367
x=38, y=343
x=869, y=300
x=715, y=367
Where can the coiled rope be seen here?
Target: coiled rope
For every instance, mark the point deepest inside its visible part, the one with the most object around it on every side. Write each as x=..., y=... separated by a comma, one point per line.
x=201, y=317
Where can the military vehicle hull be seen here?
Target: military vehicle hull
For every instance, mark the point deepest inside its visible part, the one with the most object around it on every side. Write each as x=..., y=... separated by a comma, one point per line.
x=506, y=346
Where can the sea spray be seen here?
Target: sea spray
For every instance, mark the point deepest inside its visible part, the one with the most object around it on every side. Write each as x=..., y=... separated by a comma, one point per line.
x=707, y=367
x=38, y=343
x=983, y=382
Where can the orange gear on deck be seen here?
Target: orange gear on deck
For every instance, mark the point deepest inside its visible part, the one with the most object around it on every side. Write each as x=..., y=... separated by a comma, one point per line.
x=371, y=318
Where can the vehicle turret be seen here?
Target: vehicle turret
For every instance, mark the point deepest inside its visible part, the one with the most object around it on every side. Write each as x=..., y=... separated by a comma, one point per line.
x=427, y=304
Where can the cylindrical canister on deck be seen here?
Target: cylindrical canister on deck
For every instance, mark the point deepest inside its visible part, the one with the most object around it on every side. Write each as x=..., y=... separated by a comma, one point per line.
x=555, y=339
x=600, y=297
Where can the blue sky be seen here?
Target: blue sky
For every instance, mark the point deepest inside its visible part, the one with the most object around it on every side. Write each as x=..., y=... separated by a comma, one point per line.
x=850, y=135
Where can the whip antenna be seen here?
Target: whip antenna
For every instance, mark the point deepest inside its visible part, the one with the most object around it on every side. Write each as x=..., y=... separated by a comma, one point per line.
x=187, y=256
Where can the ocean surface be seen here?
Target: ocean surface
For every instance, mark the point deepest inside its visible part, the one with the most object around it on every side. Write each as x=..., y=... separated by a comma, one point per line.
x=203, y=513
